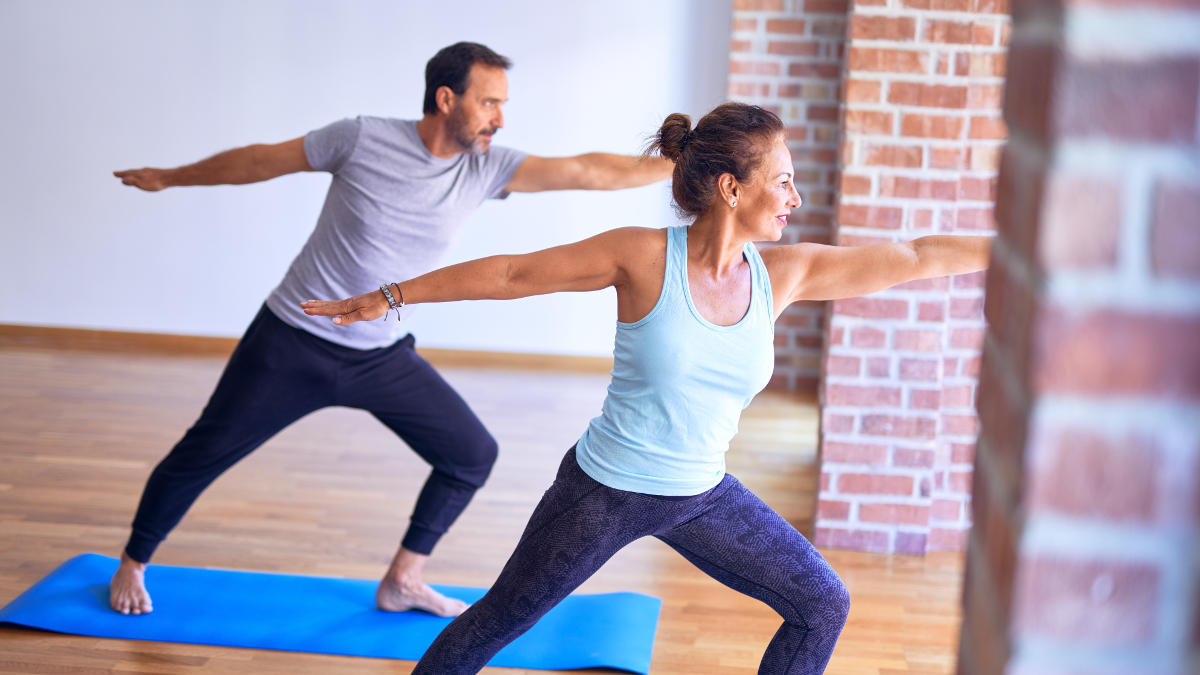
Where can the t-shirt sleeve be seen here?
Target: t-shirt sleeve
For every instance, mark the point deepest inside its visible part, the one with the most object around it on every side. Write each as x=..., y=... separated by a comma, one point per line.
x=501, y=165
x=329, y=147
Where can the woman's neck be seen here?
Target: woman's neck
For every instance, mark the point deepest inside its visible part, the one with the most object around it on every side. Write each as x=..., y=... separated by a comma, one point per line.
x=713, y=245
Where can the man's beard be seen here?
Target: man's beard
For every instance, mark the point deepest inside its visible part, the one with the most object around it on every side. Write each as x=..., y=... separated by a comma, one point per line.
x=473, y=143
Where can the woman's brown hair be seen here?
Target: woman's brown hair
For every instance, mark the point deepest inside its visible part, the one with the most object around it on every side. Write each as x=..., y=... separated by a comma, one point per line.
x=732, y=138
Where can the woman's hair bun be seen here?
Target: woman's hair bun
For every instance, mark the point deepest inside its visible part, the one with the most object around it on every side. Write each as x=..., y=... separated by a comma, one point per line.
x=672, y=136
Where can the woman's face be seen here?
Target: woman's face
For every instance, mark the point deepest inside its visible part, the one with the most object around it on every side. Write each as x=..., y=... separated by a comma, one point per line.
x=767, y=198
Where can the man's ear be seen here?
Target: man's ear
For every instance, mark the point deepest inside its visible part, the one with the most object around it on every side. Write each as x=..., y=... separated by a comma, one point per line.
x=446, y=99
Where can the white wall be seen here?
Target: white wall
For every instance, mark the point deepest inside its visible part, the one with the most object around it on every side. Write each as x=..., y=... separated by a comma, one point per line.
x=87, y=88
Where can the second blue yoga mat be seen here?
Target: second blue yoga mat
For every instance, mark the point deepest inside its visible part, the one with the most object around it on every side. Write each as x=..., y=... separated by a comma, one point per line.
x=323, y=615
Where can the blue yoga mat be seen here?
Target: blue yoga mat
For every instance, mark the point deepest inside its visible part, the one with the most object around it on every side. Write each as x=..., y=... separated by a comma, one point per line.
x=323, y=615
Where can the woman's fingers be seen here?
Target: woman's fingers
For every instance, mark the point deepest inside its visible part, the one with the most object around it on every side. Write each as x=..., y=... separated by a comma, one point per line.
x=343, y=311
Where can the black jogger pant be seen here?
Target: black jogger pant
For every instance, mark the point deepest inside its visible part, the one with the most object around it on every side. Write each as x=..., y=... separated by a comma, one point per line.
x=727, y=532
x=277, y=375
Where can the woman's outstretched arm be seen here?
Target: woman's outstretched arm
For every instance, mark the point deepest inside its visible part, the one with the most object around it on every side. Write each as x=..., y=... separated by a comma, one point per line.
x=588, y=265
x=817, y=272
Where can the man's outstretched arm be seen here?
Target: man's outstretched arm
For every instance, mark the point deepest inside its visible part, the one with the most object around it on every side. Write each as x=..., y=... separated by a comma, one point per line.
x=593, y=171
x=251, y=164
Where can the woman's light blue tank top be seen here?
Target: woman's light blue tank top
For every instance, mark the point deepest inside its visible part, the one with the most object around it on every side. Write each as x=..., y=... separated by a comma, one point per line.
x=679, y=385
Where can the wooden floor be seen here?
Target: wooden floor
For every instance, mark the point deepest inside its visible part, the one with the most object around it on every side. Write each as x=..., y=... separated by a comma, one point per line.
x=80, y=431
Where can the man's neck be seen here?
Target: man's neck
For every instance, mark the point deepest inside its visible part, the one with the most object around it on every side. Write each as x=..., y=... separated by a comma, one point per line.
x=432, y=130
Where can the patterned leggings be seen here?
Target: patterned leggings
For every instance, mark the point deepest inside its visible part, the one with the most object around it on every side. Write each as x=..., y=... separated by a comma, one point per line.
x=727, y=532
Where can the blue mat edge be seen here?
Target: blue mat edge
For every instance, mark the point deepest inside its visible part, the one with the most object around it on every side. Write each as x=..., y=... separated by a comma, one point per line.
x=499, y=660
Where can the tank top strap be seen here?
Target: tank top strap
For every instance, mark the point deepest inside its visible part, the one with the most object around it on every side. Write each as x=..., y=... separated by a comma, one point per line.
x=762, y=281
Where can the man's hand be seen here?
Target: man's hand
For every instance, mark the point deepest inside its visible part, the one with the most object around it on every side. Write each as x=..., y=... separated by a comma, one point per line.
x=367, y=307
x=251, y=164
x=593, y=171
x=150, y=180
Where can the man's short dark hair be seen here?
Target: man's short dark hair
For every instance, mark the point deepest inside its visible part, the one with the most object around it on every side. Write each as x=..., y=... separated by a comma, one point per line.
x=451, y=67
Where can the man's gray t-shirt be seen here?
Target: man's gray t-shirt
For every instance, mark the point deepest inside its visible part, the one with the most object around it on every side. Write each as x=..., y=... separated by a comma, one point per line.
x=392, y=211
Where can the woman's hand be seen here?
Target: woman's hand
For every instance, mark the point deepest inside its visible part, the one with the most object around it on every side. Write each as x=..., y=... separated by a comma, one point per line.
x=366, y=307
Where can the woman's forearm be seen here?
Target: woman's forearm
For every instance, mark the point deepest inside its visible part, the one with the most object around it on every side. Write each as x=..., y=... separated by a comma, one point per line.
x=482, y=279
x=945, y=255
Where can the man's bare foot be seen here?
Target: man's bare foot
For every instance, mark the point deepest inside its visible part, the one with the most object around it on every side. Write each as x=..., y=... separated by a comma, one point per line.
x=402, y=589
x=127, y=591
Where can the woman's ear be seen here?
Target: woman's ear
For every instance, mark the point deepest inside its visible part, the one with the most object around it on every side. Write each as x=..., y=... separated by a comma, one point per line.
x=729, y=190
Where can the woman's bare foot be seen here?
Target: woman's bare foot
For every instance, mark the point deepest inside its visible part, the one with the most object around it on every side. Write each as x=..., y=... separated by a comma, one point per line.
x=127, y=591
x=402, y=589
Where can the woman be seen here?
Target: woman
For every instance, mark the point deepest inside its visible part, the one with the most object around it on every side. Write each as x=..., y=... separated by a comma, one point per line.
x=694, y=344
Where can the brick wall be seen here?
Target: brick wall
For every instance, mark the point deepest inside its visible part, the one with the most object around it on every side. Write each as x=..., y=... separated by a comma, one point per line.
x=1084, y=556
x=786, y=55
x=919, y=156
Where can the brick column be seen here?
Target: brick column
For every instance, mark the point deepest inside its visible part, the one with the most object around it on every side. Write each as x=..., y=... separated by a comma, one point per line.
x=921, y=147
x=1085, y=556
x=786, y=55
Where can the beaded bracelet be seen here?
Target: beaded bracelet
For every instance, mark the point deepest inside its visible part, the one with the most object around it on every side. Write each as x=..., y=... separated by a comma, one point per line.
x=392, y=304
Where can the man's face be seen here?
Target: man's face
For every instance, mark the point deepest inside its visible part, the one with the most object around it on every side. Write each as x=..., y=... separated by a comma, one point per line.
x=476, y=115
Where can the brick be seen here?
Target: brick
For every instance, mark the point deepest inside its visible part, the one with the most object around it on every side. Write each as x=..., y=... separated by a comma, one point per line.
x=975, y=219
x=980, y=65
x=895, y=514
x=946, y=509
x=919, y=370
x=823, y=70
x=960, y=425
x=899, y=426
x=1076, y=352
x=797, y=133
x=829, y=509
x=991, y=7
x=824, y=481
x=1083, y=474
x=843, y=365
x=950, y=32
x=829, y=27
x=871, y=27
x=988, y=128
x=826, y=6
x=985, y=96
x=917, y=188
x=1109, y=602
x=758, y=5
x=921, y=219
x=977, y=189
x=913, y=457
x=966, y=308
x=1150, y=100
x=754, y=67
x=966, y=338
x=888, y=60
x=837, y=335
x=969, y=280
x=858, y=540
x=868, y=338
x=868, y=122
x=983, y=34
x=947, y=539
x=907, y=156
x=793, y=47
x=960, y=481
x=837, y=424
x=958, y=396
x=931, y=311
x=931, y=126
x=882, y=217
x=927, y=95
x=933, y=284
x=828, y=113
x=740, y=46
x=847, y=395
x=947, y=158
x=925, y=399
x=871, y=308
x=749, y=89
x=938, y=5
x=794, y=26
x=962, y=453
x=1175, y=231
x=984, y=158
x=879, y=366
x=918, y=340
x=874, y=484
x=910, y=543
x=856, y=185
x=745, y=25
x=853, y=453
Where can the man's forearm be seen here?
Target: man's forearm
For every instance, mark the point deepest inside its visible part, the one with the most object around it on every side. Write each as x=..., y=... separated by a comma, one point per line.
x=239, y=166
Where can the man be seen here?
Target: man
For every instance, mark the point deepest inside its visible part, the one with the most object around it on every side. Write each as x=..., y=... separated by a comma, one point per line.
x=400, y=193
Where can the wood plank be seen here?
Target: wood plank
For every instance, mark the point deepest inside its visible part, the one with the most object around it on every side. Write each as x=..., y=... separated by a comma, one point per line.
x=80, y=431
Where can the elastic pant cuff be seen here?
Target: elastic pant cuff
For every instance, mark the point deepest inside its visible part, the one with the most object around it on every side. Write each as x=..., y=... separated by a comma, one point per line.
x=420, y=540
x=141, y=547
